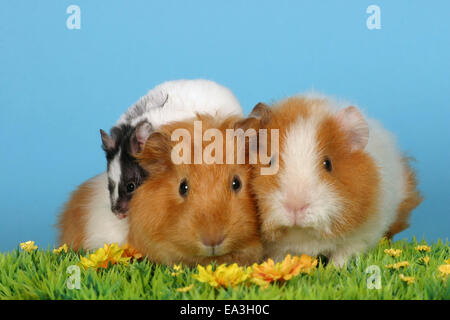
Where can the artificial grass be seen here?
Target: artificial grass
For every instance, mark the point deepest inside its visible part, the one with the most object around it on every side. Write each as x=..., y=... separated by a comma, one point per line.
x=43, y=275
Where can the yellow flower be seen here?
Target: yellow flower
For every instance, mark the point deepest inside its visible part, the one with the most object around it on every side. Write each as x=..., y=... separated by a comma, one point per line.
x=398, y=265
x=393, y=252
x=61, y=249
x=224, y=276
x=444, y=270
x=425, y=259
x=185, y=289
x=408, y=280
x=383, y=241
x=28, y=246
x=177, y=270
x=423, y=248
x=109, y=254
x=131, y=252
x=447, y=261
x=269, y=272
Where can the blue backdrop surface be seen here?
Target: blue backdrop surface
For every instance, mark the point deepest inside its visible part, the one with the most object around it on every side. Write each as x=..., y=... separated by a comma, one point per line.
x=59, y=86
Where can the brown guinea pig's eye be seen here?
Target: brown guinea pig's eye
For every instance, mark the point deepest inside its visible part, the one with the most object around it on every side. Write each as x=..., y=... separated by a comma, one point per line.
x=327, y=164
x=183, y=190
x=236, y=184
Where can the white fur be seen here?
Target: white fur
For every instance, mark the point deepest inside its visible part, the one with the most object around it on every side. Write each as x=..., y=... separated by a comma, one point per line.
x=114, y=173
x=300, y=177
x=102, y=225
x=183, y=99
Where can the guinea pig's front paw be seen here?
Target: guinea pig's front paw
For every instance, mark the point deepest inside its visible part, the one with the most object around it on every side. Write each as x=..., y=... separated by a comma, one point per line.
x=339, y=259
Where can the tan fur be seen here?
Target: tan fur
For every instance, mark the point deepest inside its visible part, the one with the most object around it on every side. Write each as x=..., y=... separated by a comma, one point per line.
x=168, y=228
x=277, y=117
x=359, y=190
x=72, y=221
x=412, y=200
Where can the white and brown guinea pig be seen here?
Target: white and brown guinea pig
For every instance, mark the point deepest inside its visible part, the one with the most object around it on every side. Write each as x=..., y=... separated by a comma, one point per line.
x=86, y=220
x=194, y=213
x=342, y=183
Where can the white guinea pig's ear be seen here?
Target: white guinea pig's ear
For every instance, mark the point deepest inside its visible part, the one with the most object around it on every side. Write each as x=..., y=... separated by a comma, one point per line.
x=140, y=136
x=108, y=143
x=353, y=123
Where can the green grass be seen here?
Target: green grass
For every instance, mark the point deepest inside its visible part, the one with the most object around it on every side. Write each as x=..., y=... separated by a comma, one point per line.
x=42, y=275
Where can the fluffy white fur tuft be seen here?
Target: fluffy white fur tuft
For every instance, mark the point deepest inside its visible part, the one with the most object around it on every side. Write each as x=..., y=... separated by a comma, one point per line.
x=182, y=99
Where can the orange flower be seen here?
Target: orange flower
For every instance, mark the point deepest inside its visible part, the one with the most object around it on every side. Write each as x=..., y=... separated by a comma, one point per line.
x=130, y=252
x=269, y=272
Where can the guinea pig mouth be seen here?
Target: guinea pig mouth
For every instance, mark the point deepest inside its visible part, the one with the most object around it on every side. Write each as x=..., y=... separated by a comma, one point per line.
x=119, y=213
x=212, y=251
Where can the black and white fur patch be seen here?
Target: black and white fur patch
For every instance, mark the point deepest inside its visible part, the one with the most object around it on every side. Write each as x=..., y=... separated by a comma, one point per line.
x=125, y=175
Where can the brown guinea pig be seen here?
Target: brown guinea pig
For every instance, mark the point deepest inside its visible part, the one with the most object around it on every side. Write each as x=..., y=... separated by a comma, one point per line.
x=340, y=182
x=192, y=212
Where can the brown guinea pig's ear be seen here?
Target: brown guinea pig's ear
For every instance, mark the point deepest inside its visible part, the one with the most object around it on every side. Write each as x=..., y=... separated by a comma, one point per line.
x=353, y=123
x=258, y=118
x=155, y=156
x=140, y=136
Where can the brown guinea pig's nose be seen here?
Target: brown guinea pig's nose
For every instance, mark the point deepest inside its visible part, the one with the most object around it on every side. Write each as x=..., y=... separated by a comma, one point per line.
x=213, y=240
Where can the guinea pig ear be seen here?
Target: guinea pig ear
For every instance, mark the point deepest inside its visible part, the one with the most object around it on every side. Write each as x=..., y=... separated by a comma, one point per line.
x=353, y=123
x=140, y=136
x=259, y=117
x=155, y=156
x=108, y=143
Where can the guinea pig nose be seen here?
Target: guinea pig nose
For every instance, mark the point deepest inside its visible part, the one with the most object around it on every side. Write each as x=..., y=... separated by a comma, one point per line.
x=121, y=207
x=213, y=240
x=296, y=207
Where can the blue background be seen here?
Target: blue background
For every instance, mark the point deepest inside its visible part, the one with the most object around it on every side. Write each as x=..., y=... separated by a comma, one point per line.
x=59, y=86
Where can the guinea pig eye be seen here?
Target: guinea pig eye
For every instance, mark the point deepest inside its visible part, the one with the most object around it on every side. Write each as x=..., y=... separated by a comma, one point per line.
x=183, y=190
x=236, y=184
x=327, y=164
x=131, y=187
